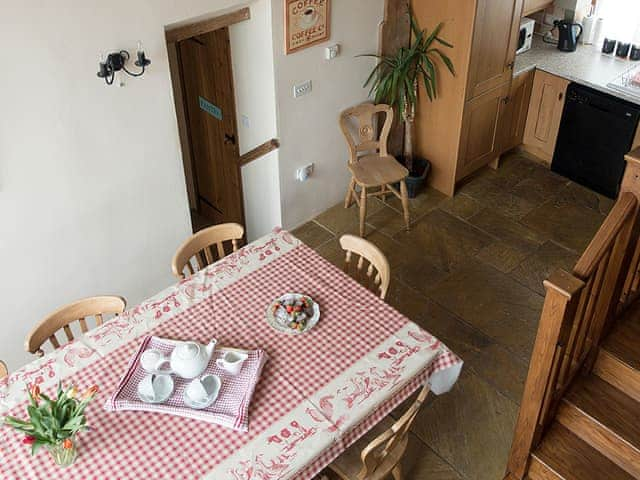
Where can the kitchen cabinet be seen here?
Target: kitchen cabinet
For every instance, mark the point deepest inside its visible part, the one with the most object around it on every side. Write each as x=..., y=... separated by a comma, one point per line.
x=480, y=142
x=545, y=113
x=494, y=45
x=532, y=6
x=459, y=131
x=513, y=114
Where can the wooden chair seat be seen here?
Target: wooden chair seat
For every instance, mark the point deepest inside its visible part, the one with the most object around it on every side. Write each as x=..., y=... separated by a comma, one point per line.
x=349, y=464
x=3, y=370
x=370, y=170
x=377, y=458
x=62, y=318
x=375, y=170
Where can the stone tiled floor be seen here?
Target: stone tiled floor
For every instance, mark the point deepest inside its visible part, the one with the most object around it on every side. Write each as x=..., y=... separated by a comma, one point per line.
x=470, y=271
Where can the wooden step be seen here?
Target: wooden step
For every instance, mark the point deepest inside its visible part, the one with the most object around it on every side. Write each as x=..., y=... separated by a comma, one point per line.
x=605, y=418
x=564, y=456
x=618, y=361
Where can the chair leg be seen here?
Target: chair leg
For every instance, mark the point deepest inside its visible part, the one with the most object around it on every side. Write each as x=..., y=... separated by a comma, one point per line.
x=405, y=202
x=349, y=198
x=397, y=472
x=363, y=209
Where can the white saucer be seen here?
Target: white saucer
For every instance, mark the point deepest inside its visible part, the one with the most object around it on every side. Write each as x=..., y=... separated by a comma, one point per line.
x=165, y=389
x=216, y=384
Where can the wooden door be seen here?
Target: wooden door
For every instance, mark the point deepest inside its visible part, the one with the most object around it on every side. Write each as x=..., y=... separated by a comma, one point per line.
x=545, y=113
x=207, y=79
x=513, y=116
x=493, y=50
x=479, y=142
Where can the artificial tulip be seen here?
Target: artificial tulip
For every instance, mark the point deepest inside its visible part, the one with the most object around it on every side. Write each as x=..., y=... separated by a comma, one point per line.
x=29, y=440
x=35, y=392
x=91, y=391
x=67, y=444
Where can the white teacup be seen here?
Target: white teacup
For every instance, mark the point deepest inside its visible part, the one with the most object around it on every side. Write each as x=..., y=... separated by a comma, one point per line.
x=153, y=361
x=232, y=361
x=203, y=391
x=155, y=388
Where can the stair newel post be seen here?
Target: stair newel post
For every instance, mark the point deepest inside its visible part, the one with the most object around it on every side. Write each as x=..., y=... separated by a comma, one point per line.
x=561, y=300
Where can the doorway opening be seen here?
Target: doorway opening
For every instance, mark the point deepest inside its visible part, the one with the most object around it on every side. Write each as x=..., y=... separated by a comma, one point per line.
x=203, y=87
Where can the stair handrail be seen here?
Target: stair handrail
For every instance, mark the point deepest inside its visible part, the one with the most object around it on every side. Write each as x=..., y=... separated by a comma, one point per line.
x=578, y=310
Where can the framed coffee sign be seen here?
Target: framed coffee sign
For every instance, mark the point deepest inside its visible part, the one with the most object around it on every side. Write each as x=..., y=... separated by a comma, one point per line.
x=307, y=22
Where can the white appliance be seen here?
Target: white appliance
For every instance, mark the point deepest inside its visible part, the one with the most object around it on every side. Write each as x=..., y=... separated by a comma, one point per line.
x=525, y=37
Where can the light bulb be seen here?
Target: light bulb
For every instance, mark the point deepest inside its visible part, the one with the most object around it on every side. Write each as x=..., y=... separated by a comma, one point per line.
x=140, y=46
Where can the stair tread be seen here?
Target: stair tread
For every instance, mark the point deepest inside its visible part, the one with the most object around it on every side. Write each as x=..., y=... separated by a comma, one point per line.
x=573, y=459
x=624, y=339
x=608, y=406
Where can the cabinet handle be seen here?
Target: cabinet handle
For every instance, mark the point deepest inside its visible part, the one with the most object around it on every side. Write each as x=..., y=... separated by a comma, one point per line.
x=560, y=96
x=506, y=100
x=510, y=65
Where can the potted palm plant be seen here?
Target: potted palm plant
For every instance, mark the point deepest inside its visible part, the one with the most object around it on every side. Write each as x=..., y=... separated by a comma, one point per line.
x=395, y=79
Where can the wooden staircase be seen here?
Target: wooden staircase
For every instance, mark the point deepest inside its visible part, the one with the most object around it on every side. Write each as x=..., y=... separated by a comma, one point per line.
x=580, y=413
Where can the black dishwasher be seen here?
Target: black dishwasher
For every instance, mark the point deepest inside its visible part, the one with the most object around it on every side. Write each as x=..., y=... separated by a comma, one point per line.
x=596, y=131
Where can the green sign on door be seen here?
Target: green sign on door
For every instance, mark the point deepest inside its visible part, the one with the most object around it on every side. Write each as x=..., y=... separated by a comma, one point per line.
x=210, y=108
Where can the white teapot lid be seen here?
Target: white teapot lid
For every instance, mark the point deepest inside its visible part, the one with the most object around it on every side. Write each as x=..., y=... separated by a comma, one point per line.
x=187, y=350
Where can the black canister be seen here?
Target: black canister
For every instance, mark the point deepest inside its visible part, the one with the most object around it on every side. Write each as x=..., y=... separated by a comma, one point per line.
x=609, y=45
x=635, y=53
x=623, y=50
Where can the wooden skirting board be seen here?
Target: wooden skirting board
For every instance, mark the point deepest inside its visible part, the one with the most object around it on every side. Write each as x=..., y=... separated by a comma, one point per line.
x=259, y=151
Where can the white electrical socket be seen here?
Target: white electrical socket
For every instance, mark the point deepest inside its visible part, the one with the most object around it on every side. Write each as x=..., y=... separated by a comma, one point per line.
x=302, y=89
x=331, y=52
x=244, y=119
x=303, y=173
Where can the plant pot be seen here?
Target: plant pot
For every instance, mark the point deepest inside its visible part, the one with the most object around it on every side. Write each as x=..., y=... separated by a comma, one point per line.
x=417, y=177
x=62, y=456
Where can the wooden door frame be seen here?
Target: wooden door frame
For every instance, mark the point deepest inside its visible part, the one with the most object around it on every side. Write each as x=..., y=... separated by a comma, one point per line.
x=173, y=36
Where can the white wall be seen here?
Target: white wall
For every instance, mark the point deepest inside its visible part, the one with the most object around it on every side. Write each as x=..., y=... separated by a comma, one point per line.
x=308, y=125
x=252, y=58
x=92, y=192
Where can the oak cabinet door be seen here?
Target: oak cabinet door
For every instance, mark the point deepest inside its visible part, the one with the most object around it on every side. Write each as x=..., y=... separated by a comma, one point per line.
x=479, y=141
x=494, y=45
x=545, y=113
x=531, y=6
x=513, y=116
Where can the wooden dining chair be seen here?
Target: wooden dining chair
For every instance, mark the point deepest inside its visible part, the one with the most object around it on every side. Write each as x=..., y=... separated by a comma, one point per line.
x=200, y=247
x=370, y=164
x=3, y=370
x=383, y=455
x=377, y=274
x=64, y=317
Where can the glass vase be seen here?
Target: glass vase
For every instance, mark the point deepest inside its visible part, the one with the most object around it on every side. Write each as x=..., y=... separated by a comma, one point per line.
x=63, y=456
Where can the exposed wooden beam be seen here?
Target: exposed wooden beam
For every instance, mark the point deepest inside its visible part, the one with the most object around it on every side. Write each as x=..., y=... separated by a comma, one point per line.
x=395, y=32
x=259, y=151
x=187, y=31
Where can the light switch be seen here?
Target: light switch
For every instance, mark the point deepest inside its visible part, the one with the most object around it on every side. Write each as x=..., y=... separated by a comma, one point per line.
x=302, y=89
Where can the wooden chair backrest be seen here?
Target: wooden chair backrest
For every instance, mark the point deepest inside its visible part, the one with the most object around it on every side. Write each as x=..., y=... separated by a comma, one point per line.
x=377, y=274
x=386, y=450
x=365, y=115
x=3, y=370
x=63, y=317
x=200, y=247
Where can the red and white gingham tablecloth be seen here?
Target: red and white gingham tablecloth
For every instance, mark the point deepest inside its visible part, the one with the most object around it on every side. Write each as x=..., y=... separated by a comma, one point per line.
x=318, y=393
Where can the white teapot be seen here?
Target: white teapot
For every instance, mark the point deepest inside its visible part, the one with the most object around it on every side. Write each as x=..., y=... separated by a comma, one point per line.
x=190, y=359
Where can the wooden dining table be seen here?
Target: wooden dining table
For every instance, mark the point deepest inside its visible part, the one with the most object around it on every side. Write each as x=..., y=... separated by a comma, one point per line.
x=317, y=394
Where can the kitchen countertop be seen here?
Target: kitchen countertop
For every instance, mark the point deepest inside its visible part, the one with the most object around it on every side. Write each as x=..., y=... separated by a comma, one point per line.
x=587, y=66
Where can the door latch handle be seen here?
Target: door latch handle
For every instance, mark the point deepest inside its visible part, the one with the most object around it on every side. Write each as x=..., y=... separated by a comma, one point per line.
x=229, y=139
x=510, y=65
x=506, y=100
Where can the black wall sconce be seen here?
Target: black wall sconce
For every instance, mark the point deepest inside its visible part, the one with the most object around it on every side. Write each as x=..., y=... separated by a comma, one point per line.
x=116, y=61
